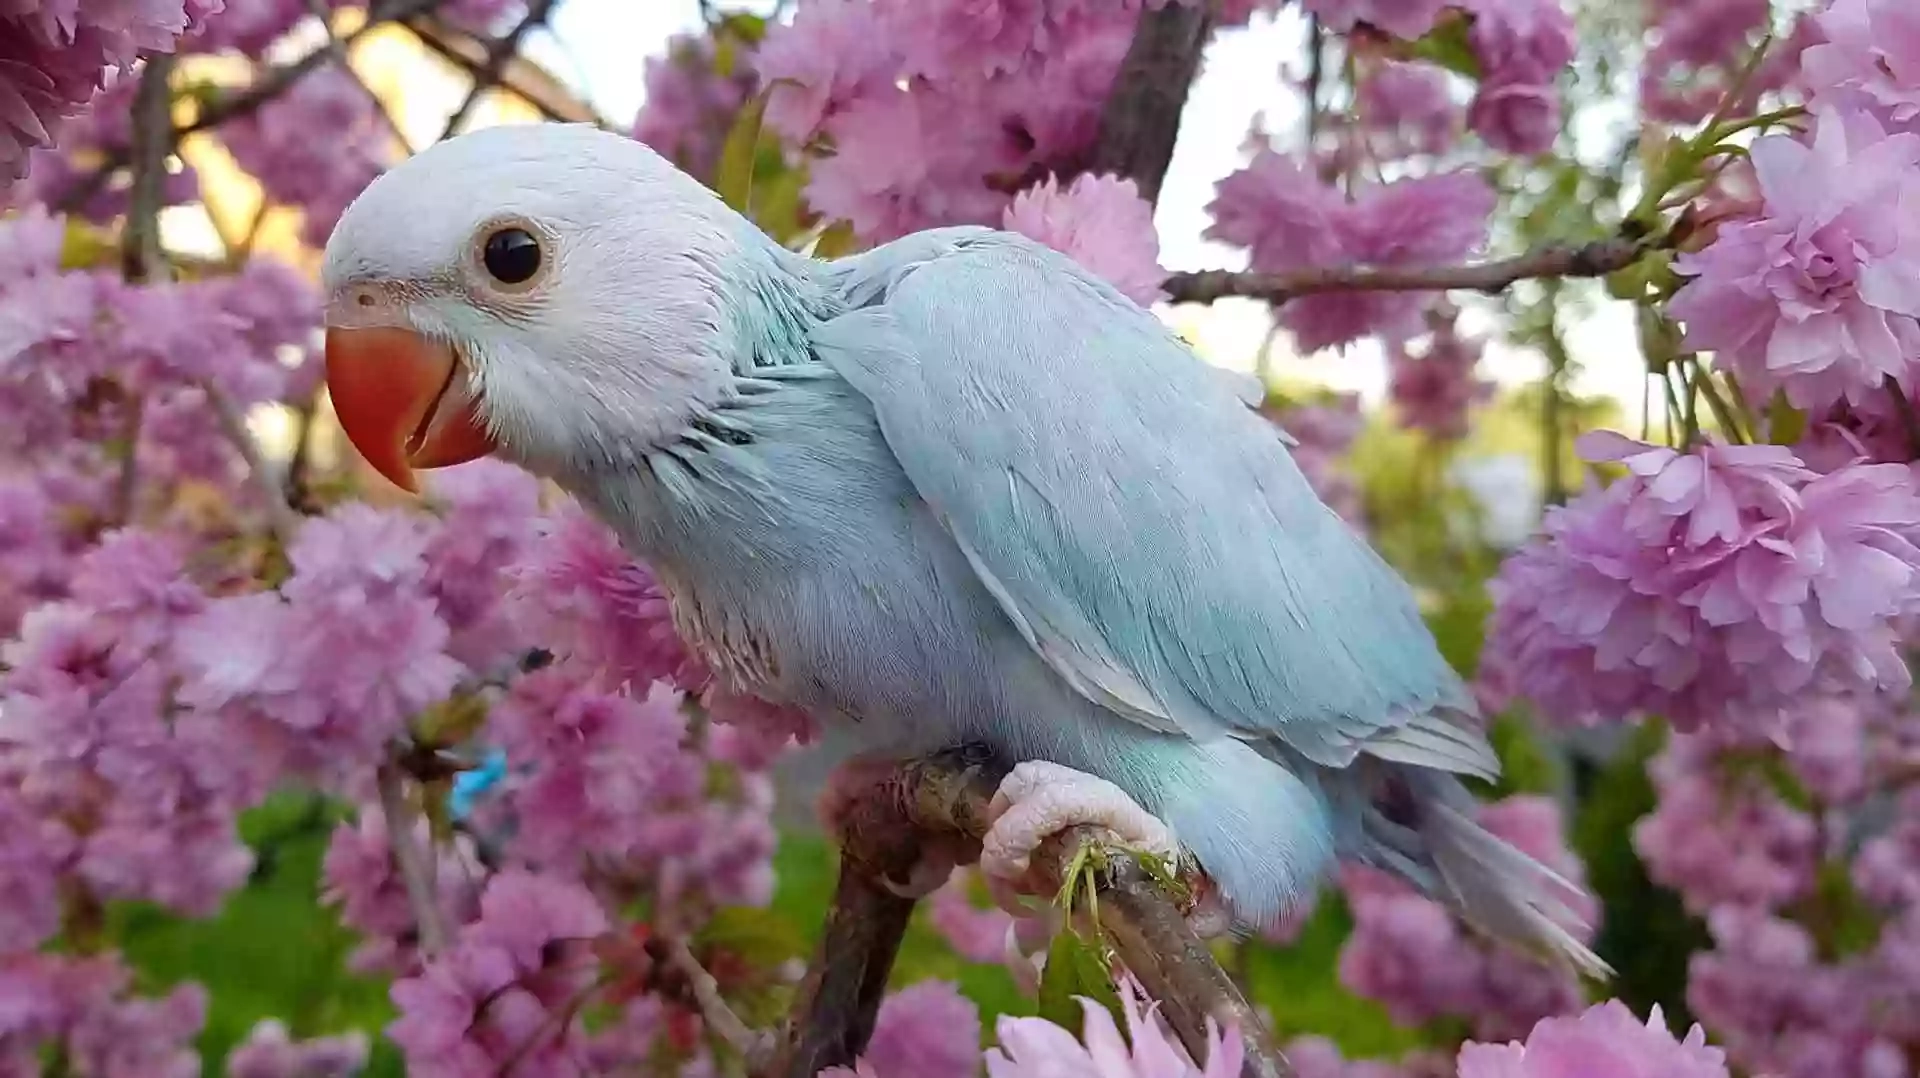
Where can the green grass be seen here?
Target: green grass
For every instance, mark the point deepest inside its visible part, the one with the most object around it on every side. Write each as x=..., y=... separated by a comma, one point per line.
x=272, y=952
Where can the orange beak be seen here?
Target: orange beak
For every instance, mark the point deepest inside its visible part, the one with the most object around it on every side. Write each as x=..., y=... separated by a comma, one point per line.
x=403, y=401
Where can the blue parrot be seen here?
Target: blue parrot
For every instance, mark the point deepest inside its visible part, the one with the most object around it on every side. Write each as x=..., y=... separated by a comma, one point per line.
x=953, y=489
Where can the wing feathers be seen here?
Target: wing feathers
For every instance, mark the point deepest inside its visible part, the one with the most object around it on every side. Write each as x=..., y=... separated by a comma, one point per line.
x=1142, y=526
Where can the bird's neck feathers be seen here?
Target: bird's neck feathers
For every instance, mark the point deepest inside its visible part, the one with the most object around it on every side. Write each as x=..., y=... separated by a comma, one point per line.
x=657, y=364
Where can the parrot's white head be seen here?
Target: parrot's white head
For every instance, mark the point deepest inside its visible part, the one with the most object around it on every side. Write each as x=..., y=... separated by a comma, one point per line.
x=552, y=293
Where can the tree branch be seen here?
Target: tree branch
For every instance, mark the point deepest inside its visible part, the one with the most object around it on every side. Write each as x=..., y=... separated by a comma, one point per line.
x=942, y=800
x=469, y=53
x=498, y=53
x=1141, y=119
x=1589, y=260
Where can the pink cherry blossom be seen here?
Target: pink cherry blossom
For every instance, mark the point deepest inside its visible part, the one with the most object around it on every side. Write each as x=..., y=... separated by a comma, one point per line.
x=1605, y=1040
x=276, y=146
x=1434, y=392
x=582, y=596
x=1870, y=59
x=1289, y=221
x=1100, y=222
x=1717, y=586
x=53, y=59
x=690, y=104
x=1816, y=296
x=1410, y=105
x=1407, y=19
x=1036, y=1048
x=1723, y=837
x=270, y=1052
x=508, y=989
x=833, y=53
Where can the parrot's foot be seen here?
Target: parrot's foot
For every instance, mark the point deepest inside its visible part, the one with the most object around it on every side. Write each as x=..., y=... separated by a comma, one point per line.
x=857, y=781
x=1038, y=800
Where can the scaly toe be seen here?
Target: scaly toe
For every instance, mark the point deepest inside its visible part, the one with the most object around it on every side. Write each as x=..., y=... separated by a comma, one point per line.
x=1038, y=800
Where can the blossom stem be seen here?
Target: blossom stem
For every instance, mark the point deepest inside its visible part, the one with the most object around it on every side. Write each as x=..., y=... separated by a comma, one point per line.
x=414, y=870
x=1903, y=407
x=756, y=1048
x=1589, y=260
x=1703, y=379
x=281, y=518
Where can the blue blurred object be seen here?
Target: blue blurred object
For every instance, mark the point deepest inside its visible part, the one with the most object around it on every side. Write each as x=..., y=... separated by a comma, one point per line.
x=470, y=785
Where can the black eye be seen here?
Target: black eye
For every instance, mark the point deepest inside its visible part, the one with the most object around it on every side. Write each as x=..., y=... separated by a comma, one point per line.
x=511, y=255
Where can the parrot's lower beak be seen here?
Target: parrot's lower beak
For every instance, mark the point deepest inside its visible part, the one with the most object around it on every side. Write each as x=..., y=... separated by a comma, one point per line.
x=404, y=402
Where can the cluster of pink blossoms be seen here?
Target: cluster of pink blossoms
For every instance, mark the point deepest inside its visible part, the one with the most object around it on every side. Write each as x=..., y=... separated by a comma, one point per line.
x=1435, y=389
x=55, y=56
x=1723, y=585
x=1290, y=220
x=1521, y=47
x=1805, y=865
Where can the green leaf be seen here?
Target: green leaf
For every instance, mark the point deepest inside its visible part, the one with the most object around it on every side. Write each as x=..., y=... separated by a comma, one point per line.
x=734, y=181
x=1446, y=45
x=746, y=26
x=836, y=241
x=1075, y=968
x=1645, y=932
x=763, y=937
x=1785, y=423
x=777, y=210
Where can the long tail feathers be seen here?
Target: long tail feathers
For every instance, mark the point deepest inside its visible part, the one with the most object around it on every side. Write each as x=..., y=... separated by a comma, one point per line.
x=1490, y=883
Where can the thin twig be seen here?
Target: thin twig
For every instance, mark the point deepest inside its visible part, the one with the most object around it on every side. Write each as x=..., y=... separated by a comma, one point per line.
x=498, y=53
x=126, y=489
x=280, y=515
x=756, y=1048
x=1316, y=65
x=1903, y=407
x=415, y=872
x=1589, y=260
x=141, y=257
x=338, y=49
x=553, y=102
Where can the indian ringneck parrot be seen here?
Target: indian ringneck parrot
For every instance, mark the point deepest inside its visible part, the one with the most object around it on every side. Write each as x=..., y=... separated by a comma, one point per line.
x=955, y=489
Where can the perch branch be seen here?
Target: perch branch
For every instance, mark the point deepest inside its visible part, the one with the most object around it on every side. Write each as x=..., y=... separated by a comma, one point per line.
x=941, y=801
x=1589, y=260
x=1141, y=119
x=415, y=873
x=495, y=65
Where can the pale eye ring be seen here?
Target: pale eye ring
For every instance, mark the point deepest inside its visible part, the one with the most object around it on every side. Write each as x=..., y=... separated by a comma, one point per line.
x=513, y=254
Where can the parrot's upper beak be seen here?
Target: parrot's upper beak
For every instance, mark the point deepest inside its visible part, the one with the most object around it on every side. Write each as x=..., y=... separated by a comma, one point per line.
x=404, y=401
